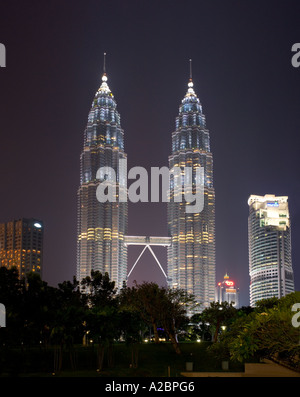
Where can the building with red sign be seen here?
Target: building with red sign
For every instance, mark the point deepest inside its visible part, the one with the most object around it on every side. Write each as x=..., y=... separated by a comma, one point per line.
x=226, y=291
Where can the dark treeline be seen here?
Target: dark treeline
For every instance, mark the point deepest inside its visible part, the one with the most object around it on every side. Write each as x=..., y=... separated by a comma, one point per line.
x=90, y=310
x=93, y=312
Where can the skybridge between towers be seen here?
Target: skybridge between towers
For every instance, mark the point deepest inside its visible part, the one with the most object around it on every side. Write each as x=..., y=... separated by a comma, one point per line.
x=147, y=242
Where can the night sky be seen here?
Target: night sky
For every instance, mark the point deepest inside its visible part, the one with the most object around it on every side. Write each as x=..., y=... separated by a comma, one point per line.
x=242, y=73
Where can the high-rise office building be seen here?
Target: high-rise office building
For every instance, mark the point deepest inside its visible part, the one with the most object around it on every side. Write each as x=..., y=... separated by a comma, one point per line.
x=21, y=246
x=227, y=291
x=270, y=259
x=191, y=255
x=102, y=225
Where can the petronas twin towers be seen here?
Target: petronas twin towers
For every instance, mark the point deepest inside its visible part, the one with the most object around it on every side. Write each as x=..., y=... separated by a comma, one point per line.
x=102, y=224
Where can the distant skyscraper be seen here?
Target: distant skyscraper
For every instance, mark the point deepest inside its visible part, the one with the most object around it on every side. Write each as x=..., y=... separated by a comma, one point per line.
x=270, y=259
x=21, y=245
x=102, y=225
x=227, y=291
x=191, y=256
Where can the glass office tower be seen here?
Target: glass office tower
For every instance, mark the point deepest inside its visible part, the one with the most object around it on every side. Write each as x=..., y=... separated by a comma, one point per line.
x=270, y=259
x=102, y=225
x=191, y=256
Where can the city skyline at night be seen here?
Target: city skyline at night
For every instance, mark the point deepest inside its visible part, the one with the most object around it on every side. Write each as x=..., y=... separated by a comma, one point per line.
x=244, y=77
x=188, y=189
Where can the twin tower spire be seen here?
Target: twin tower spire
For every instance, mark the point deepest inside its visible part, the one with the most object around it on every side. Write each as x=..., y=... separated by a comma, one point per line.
x=104, y=76
x=103, y=238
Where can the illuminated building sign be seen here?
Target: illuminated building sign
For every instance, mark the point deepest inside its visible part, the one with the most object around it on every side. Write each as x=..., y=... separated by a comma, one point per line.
x=226, y=291
x=273, y=204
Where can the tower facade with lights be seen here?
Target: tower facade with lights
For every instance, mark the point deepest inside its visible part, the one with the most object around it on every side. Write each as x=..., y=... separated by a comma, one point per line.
x=227, y=291
x=102, y=225
x=191, y=255
x=269, y=236
x=21, y=246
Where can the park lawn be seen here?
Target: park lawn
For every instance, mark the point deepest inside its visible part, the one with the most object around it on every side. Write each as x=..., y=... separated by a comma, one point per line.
x=153, y=361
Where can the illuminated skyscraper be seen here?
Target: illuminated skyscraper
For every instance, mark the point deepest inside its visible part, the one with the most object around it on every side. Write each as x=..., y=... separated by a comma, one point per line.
x=270, y=259
x=227, y=291
x=102, y=225
x=21, y=246
x=191, y=256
